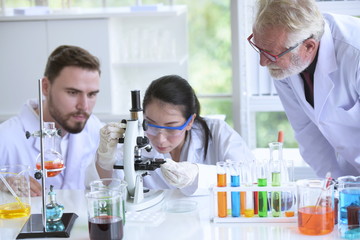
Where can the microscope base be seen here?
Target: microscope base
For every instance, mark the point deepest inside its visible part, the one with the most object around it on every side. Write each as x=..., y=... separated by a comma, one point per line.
x=151, y=198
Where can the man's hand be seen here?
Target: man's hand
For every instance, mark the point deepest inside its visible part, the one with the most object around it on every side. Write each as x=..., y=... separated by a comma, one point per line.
x=109, y=137
x=35, y=187
x=180, y=174
x=20, y=186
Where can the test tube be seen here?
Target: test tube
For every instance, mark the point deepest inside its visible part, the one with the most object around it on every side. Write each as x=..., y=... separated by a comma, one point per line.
x=221, y=182
x=275, y=168
x=235, y=182
x=262, y=175
x=288, y=197
x=247, y=180
x=228, y=180
x=249, y=207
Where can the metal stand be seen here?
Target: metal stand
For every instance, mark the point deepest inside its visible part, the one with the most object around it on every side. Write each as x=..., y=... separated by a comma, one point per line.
x=37, y=226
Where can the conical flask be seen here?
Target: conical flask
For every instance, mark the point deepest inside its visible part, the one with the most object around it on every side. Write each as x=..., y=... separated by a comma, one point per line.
x=53, y=160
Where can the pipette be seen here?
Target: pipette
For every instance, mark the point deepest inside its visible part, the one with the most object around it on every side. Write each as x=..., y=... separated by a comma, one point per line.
x=11, y=191
x=324, y=188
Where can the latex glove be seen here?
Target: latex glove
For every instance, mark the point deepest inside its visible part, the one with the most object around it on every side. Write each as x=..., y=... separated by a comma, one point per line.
x=109, y=137
x=179, y=174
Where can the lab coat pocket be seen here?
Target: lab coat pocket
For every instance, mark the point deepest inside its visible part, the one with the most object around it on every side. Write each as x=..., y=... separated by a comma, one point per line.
x=349, y=116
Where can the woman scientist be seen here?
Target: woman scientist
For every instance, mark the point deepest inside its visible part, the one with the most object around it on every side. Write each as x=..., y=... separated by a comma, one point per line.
x=190, y=144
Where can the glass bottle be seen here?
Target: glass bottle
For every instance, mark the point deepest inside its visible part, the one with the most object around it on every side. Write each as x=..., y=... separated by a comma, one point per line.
x=53, y=160
x=54, y=210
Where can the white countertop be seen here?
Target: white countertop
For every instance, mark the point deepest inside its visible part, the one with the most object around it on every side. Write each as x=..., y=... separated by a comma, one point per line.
x=195, y=225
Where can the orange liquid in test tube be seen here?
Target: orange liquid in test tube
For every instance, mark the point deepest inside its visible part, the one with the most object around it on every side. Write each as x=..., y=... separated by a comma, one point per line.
x=222, y=202
x=316, y=220
x=242, y=202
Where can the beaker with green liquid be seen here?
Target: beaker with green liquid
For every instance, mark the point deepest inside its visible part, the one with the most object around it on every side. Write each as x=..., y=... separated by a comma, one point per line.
x=14, y=191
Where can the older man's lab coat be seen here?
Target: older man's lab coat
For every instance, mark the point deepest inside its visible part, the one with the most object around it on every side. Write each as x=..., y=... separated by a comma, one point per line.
x=329, y=134
x=16, y=149
x=226, y=144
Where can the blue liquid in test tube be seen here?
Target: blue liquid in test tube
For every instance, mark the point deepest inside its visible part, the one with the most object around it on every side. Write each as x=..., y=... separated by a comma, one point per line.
x=235, y=197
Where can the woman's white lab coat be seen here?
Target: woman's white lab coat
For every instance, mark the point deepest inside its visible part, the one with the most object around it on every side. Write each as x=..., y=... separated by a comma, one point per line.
x=329, y=134
x=16, y=149
x=226, y=144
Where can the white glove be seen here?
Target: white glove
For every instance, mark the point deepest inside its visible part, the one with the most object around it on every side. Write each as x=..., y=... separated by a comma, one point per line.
x=179, y=174
x=109, y=137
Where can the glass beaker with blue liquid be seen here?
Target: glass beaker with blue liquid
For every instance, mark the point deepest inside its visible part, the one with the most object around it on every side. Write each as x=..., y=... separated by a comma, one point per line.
x=349, y=207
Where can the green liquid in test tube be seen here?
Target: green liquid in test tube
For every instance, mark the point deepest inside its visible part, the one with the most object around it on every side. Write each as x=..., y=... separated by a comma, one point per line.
x=263, y=207
x=276, y=195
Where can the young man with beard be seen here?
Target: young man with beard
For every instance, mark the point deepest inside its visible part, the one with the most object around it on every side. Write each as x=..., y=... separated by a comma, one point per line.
x=70, y=86
x=315, y=61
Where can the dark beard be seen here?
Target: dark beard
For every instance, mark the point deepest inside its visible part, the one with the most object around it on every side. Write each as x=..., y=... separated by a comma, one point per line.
x=62, y=119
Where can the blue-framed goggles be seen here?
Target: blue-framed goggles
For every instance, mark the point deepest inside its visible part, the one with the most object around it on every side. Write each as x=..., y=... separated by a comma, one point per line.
x=168, y=131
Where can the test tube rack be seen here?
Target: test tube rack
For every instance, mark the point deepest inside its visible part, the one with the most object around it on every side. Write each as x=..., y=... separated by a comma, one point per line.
x=289, y=188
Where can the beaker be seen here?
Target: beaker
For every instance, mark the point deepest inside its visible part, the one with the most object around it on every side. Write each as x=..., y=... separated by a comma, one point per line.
x=349, y=207
x=14, y=191
x=113, y=184
x=104, y=215
x=315, y=206
x=53, y=160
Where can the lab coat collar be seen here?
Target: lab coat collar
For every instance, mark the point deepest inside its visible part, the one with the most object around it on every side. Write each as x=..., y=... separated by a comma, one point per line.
x=326, y=64
x=30, y=121
x=323, y=85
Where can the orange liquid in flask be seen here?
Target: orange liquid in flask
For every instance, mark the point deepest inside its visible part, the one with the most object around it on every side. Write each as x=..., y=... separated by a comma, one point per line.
x=49, y=165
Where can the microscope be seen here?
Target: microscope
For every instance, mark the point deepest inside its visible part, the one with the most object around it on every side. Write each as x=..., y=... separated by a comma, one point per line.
x=135, y=166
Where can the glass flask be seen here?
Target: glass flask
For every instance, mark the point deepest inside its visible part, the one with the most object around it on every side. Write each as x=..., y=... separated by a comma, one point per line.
x=53, y=160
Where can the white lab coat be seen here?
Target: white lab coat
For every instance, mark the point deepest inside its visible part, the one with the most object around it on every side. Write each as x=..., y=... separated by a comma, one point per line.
x=226, y=144
x=329, y=134
x=16, y=149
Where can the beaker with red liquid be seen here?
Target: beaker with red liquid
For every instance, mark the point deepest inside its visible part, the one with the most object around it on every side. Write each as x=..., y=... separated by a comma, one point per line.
x=316, y=214
x=105, y=215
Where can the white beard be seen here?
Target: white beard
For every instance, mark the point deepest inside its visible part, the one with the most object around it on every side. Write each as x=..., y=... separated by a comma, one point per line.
x=296, y=66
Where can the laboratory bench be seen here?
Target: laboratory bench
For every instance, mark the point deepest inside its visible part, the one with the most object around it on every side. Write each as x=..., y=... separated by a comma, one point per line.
x=159, y=223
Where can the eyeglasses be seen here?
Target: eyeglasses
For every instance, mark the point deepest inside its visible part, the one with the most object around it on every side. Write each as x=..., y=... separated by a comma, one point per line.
x=270, y=56
x=167, y=131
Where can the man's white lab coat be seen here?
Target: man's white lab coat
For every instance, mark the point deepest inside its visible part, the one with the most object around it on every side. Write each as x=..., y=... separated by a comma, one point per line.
x=329, y=134
x=16, y=149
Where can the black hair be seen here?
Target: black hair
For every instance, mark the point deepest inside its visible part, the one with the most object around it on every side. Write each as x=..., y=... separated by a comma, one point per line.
x=175, y=90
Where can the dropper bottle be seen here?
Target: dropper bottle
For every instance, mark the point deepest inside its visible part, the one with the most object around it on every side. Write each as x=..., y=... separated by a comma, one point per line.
x=54, y=210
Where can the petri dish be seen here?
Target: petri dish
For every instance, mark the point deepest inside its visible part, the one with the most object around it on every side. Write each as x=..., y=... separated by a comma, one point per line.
x=180, y=206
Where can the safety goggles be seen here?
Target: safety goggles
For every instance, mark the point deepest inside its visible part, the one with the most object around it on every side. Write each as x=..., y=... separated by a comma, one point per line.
x=154, y=130
x=268, y=55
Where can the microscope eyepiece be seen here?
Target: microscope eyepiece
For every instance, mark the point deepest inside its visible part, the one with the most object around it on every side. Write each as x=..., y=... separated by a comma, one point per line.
x=135, y=101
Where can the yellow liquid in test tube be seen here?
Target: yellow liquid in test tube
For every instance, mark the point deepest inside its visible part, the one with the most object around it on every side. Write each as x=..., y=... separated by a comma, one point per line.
x=249, y=212
x=14, y=210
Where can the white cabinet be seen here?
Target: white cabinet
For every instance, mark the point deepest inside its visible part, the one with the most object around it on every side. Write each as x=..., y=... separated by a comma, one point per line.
x=134, y=48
